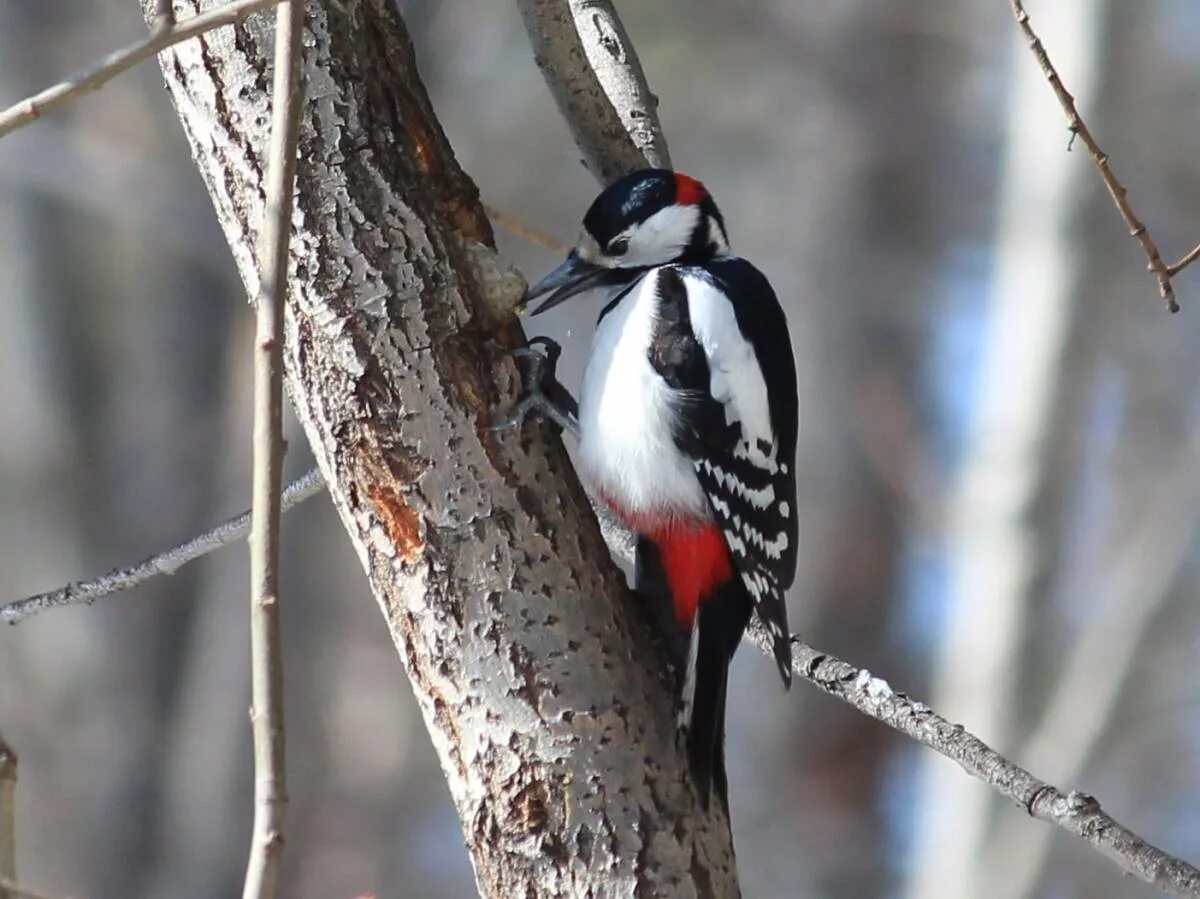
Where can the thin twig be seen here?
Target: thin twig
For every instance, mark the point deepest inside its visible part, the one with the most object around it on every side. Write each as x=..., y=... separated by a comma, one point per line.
x=1188, y=259
x=169, y=561
x=1074, y=812
x=8, y=821
x=1078, y=127
x=103, y=70
x=526, y=232
x=266, y=652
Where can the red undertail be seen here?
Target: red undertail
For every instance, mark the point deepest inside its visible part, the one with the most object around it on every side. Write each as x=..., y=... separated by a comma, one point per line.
x=696, y=561
x=694, y=556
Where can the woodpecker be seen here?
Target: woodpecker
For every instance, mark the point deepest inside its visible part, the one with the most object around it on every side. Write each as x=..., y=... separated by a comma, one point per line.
x=687, y=425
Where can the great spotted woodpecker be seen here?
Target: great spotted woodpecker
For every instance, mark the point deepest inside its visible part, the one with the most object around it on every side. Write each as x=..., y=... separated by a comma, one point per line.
x=687, y=424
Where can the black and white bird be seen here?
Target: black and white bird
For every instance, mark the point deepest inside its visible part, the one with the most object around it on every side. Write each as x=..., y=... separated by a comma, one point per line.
x=687, y=424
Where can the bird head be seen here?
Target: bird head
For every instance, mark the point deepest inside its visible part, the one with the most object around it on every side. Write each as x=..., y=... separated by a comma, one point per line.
x=648, y=218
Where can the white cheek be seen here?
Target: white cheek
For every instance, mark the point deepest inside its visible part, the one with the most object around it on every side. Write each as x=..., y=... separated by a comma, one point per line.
x=662, y=236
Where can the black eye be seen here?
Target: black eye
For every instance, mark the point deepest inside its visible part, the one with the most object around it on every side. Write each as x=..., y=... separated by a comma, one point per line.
x=618, y=247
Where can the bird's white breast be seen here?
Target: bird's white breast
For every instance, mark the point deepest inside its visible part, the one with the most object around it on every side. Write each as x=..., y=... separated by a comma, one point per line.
x=627, y=450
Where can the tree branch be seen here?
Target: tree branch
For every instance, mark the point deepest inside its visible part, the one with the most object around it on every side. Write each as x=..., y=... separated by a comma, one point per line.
x=266, y=650
x=1075, y=812
x=525, y=231
x=541, y=682
x=169, y=561
x=309, y=484
x=1162, y=272
x=164, y=34
x=164, y=16
x=873, y=697
x=594, y=73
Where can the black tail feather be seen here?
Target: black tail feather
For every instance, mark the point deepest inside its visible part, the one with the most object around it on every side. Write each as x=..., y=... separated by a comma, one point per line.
x=720, y=624
x=706, y=727
x=704, y=676
x=650, y=581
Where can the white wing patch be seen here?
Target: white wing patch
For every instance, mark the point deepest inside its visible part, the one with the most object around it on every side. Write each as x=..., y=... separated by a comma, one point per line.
x=736, y=381
x=743, y=479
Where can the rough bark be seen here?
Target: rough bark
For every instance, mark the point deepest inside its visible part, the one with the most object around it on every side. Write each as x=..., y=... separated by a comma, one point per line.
x=540, y=683
x=596, y=78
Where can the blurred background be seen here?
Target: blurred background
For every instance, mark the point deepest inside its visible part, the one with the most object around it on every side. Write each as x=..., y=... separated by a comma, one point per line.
x=999, y=461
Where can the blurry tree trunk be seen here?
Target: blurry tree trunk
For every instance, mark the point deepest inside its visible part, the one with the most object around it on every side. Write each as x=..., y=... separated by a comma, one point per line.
x=1126, y=455
x=886, y=177
x=995, y=553
x=540, y=682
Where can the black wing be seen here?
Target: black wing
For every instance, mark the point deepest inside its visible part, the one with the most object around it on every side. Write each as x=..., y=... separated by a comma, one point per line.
x=742, y=442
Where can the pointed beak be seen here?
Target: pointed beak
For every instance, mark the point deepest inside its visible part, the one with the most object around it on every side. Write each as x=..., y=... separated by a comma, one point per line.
x=574, y=276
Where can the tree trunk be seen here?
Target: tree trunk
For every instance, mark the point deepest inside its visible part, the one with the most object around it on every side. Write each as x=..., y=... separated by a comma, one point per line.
x=996, y=547
x=540, y=682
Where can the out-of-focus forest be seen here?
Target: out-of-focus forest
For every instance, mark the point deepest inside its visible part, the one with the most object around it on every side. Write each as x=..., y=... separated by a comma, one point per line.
x=999, y=464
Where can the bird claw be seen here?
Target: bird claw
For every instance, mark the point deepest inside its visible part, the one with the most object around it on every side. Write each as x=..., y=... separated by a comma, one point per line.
x=542, y=393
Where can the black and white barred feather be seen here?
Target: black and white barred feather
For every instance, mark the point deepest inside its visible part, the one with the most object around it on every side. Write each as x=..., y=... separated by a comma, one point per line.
x=722, y=341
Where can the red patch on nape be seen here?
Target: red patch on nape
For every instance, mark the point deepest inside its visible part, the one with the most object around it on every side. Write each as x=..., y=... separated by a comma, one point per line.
x=689, y=191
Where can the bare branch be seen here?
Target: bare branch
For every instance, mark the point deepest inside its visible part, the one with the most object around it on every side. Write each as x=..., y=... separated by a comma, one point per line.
x=8, y=821
x=594, y=73
x=164, y=34
x=1162, y=272
x=526, y=232
x=164, y=16
x=266, y=651
x=126, y=577
x=1191, y=256
x=169, y=561
x=1075, y=812
x=856, y=687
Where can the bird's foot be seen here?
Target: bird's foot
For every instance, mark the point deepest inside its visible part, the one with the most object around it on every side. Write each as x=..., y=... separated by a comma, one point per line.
x=542, y=393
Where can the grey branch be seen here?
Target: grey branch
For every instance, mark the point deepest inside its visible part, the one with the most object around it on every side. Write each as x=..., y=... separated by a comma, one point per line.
x=169, y=561
x=594, y=73
x=1162, y=272
x=266, y=641
x=164, y=16
x=165, y=33
x=1075, y=812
